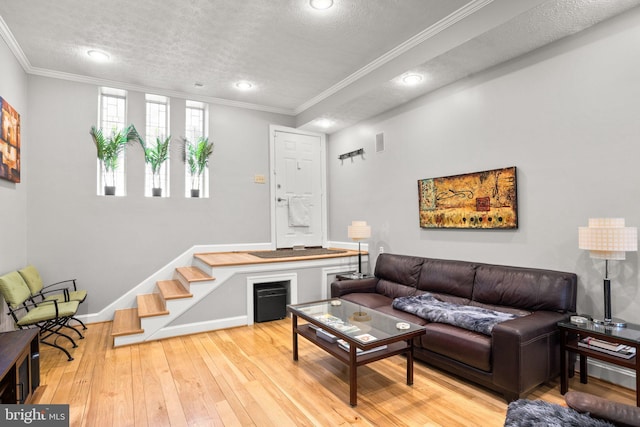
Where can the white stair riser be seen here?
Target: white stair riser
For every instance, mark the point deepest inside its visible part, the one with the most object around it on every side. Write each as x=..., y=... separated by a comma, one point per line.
x=176, y=307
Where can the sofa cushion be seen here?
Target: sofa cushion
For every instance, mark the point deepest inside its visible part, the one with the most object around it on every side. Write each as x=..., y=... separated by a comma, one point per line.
x=619, y=413
x=470, y=348
x=448, y=277
x=525, y=288
x=394, y=290
x=371, y=300
x=400, y=269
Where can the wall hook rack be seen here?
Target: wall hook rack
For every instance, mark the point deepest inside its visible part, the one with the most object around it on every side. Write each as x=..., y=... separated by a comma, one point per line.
x=351, y=154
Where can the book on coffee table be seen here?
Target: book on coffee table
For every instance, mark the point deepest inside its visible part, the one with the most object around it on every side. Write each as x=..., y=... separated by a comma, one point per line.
x=345, y=346
x=321, y=333
x=614, y=349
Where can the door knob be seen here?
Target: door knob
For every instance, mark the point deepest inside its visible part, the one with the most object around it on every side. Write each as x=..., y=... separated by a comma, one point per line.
x=280, y=199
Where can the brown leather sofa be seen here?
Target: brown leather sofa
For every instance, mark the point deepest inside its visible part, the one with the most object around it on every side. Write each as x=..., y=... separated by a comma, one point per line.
x=519, y=355
x=598, y=407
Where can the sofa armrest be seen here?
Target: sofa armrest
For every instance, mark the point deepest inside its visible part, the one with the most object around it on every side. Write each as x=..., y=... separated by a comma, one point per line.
x=343, y=287
x=598, y=407
x=526, y=351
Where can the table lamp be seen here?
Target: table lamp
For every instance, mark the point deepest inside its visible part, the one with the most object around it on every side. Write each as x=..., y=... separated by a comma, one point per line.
x=608, y=239
x=357, y=231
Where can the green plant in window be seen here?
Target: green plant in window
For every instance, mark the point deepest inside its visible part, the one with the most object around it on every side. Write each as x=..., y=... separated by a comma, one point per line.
x=155, y=156
x=196, y=157
x=109, y=149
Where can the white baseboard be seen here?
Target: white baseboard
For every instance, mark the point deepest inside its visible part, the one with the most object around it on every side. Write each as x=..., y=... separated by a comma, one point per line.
x=195, y=328
x=614, y=374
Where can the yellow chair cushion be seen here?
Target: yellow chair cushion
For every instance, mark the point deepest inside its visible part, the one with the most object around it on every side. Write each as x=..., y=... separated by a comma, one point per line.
x=47, y=311
x=32, y=278
x=73, y=296
x=13, y=289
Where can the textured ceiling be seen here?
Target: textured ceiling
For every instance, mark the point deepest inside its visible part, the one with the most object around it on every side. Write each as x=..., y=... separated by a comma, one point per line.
x=341, y=64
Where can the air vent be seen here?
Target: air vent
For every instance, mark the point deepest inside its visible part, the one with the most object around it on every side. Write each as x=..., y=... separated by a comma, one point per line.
x=379, y=142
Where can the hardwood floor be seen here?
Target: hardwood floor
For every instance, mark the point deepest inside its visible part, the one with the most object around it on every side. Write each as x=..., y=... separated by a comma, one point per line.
x=245, y=376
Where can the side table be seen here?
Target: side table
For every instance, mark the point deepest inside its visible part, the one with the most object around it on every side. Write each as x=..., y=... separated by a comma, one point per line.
x=19, y=365
x=571, y=333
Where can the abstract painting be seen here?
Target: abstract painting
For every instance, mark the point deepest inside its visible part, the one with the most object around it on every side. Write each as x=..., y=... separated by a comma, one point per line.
x=475, y=200
x=9, y=142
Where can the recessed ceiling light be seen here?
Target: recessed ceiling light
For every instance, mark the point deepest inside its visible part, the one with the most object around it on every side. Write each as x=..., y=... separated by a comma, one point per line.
x=98, y=55
x=321, y=4
x=244, y=85
x=324, y=123
x=412, y=79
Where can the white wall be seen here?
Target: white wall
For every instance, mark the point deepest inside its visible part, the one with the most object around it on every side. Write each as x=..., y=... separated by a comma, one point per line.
x=567, y=116
x=13, y=197
x=113, y=243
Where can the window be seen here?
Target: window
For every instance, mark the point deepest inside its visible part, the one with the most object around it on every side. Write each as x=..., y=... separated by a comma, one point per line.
x=195, y=128
x=112, y=116
x=157, y=126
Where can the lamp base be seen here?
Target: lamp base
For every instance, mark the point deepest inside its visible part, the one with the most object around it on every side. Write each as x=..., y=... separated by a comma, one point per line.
x=614, y=323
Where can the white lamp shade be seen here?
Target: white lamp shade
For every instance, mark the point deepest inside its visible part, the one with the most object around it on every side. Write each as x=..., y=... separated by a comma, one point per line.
x=608, y=238
x=359, y=230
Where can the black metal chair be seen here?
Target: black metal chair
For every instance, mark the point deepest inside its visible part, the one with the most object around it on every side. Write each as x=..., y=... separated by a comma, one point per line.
x=63, y=291
x=50, y=316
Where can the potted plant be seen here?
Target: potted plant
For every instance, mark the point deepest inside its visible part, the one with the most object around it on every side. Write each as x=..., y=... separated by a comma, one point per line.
x=196, y=156
x=155, y=156
x=108, y=150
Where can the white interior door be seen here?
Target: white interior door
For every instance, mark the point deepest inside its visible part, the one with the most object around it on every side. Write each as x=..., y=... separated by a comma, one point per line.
x=297, y=187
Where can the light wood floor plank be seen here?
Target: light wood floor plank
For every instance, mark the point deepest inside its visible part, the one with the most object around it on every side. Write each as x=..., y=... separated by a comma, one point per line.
x=137, y=387
x=245, y=376
x=123, y=404
x=212, y=359
x=199, y=407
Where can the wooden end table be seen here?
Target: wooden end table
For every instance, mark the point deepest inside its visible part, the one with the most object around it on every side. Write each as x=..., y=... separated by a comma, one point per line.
x=571, y=333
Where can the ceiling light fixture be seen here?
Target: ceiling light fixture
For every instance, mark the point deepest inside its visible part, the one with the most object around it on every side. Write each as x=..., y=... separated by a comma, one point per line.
x=244, y=85
x=412, y=79
x=321, y=4
x=98, y=55
x=324, y=123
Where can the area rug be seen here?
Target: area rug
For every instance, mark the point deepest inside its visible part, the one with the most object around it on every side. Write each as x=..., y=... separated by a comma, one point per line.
x=289, y=253
x=537, y=413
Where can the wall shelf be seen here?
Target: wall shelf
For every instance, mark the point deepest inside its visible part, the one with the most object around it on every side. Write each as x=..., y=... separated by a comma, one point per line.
x=351, y=154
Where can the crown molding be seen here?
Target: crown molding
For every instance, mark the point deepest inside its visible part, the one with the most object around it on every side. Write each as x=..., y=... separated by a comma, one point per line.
x=446, y=22
x=13, y=45
x=139, y=88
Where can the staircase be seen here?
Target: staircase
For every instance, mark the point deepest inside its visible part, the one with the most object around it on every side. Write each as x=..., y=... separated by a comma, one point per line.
x=156, y=310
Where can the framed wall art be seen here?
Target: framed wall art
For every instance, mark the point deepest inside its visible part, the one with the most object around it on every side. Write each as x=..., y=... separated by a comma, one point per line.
x=9, y=142
x=485, y=200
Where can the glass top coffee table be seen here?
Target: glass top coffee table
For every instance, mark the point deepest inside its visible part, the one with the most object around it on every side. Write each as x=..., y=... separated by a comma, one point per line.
x=353, y=334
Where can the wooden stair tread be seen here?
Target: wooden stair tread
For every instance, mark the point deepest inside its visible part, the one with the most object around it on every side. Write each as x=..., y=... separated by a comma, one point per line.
x=126, y=322
x=151, y=305
x=193, y=274
x=173, y=289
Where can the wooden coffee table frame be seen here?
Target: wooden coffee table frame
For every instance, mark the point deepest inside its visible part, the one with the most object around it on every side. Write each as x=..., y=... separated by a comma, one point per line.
x=398, y=344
